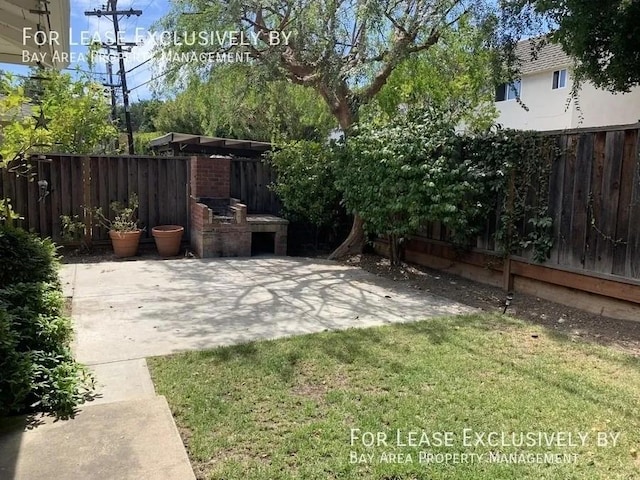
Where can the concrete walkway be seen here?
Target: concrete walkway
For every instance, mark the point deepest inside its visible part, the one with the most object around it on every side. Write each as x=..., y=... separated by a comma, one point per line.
x=127, y=311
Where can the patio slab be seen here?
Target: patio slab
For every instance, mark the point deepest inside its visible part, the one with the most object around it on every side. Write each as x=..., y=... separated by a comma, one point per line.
x=132, y=310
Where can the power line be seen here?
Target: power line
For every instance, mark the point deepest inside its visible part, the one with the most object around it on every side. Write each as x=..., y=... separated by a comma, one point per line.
x=18, y=75
x=155, y=78
x=90, y=72
x=139, y=65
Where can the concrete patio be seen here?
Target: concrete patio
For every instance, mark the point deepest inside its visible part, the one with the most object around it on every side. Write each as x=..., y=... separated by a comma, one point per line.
x=136, y=309
x=126, y=311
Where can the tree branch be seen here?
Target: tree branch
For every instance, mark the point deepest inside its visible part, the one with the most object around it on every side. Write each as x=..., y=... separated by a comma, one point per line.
x=399, y=51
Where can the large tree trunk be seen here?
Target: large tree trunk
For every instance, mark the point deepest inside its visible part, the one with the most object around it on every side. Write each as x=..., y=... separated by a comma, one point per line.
x=394, y=250
x=354, y=242
x=344, y=107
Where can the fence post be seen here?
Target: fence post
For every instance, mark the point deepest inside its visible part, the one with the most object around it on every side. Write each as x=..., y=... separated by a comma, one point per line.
x=507, y=277
x=86, y=201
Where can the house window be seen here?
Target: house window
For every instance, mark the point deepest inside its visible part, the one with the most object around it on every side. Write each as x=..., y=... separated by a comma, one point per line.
x=508, y=91
x=559, y=79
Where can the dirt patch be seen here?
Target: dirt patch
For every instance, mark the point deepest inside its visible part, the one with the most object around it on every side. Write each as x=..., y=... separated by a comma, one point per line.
x=314, y=391
x=577, y=324
x=315, y=385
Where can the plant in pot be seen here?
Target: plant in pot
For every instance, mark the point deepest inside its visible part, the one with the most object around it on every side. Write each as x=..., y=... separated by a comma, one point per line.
x=123, y=229
x=168, y=238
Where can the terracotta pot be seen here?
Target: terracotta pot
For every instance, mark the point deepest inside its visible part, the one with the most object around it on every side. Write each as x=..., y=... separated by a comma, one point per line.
x=168, y=238
x=125, y=244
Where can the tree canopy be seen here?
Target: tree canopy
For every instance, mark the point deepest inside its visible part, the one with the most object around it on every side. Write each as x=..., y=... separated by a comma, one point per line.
x=143, y=114
x=237, y=101
x=71, y=116
x=345, y=50
x=454, y=77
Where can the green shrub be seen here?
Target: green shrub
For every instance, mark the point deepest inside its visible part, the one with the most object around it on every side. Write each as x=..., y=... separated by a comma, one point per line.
x=402, y=174
x=26, y=258
x=37, y=309
x=16, y=368
x=37, y=369
x=305, y=181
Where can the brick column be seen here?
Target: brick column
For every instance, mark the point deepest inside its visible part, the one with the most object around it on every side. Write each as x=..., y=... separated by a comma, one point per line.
x=280, y=240
x=211, y=177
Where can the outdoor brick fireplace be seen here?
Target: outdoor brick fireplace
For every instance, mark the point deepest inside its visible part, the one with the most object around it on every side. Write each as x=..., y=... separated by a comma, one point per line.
x=221, y=225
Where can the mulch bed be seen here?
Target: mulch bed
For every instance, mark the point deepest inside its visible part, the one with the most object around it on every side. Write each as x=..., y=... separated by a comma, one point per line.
x=577, y=324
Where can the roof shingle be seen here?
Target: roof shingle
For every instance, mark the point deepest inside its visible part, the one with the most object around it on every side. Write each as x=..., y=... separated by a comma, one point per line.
x=534, y=59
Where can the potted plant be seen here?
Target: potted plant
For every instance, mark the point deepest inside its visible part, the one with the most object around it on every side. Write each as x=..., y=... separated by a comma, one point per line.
x=168, y=238
x=123, y=229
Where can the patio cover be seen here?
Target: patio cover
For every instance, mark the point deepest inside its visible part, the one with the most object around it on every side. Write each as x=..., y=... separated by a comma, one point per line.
x=17, y=15
x=182, y=143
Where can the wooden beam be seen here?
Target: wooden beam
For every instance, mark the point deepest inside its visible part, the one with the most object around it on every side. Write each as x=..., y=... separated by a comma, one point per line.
x=445, y=250
x=425, y=252
x=609, y=288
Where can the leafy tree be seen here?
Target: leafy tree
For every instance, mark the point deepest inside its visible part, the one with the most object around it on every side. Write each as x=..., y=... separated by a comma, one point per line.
x=142, y=115
x=234, y=102
x=453, y=76
x=74, y=116
x=401, y=174
x=345, y=50
x=603, y=37
x=182, y=114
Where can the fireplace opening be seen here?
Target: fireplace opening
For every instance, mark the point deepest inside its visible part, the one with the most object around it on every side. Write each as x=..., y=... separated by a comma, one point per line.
x=263, y=243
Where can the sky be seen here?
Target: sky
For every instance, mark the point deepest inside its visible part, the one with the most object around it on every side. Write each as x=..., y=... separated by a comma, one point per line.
x=132, y=28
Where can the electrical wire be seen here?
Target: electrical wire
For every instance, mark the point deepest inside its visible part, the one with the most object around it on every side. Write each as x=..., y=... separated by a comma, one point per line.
x=139, y=65
x=156, y=78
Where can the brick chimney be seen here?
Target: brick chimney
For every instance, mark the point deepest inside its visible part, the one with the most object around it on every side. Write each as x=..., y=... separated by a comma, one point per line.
x=211, y=177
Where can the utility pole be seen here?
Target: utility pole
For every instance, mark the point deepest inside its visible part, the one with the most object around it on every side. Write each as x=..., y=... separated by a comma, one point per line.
x=113, y=12
x=111, y=85
x=112, y=88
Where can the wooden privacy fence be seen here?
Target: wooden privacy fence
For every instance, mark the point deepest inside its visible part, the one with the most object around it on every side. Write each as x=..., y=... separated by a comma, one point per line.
x=594, y=201
x=161, y=182
x=250, y=180
x=74, y=182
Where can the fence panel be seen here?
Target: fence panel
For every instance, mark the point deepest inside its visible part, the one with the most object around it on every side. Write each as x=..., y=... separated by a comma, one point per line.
x=594, y=201
x=594, y=196
x=160, y=182
x=250, y=180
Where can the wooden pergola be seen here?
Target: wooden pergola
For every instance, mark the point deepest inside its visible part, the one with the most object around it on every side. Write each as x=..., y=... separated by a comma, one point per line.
x=182, y=144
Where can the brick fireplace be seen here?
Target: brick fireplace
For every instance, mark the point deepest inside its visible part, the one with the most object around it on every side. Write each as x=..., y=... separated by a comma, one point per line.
x=221, y=225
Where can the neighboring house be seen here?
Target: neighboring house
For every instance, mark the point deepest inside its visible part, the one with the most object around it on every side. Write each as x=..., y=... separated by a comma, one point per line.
x=545, y=90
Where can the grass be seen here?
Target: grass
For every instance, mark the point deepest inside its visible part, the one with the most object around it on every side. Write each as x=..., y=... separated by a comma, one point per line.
x=287, y=409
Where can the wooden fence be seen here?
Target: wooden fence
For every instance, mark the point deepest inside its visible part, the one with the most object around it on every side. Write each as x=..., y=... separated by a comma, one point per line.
x=74, y=182
x=161, y=182
x=594, y=200
x=250, y=180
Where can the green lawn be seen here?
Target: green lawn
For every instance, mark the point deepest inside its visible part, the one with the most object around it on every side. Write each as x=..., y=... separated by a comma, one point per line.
x=342, y=404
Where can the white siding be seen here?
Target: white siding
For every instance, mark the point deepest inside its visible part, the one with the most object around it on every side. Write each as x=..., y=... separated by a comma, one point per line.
x=601, y=108
x=547, y=107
